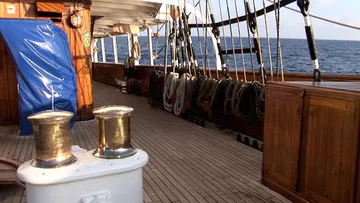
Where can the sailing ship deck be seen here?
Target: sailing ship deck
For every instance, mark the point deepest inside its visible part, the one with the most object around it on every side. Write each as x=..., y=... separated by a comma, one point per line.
x=187, y=163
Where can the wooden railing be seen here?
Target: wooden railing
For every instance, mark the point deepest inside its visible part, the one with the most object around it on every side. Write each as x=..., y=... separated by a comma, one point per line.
x=106, y=73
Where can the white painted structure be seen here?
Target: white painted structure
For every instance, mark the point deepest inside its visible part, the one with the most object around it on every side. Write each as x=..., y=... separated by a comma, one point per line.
x=89, y=180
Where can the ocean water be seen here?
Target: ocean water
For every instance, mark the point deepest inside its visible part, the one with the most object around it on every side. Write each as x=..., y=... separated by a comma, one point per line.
x=335, y=56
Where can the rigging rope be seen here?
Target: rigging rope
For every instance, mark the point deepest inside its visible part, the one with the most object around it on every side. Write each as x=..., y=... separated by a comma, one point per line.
x=232, y=41
x=198, y=38
x=179, y=105
x=241, y=44
x=171, y=79
x=278, y=53
x=249, y=40
x=255, y=30
x=268, y=42
x=223, y=31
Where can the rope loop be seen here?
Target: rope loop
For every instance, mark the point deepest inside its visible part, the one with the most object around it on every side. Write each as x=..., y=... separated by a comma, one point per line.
x=304, y=6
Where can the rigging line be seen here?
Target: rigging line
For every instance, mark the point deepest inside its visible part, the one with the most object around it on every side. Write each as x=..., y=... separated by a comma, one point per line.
x=241, y=44
x=277, y=20
x=268, y=42
x=223, y=31
x=249, y=40
x=145, y=43
x=232, y=41
x=324, y=19
x=280, y=51
x=184, y=42
x=208, y=9
x=259, y=51
x=166, y=42
x=189, y=42
x=198, y=38
x=216, y=32
x=206, y=59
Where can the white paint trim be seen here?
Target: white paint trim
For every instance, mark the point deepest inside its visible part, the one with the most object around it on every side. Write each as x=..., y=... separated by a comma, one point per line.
x=114, y=41
x=103, y=50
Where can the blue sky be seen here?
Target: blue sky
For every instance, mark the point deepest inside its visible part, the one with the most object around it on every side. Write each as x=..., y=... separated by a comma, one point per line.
x=292, y=24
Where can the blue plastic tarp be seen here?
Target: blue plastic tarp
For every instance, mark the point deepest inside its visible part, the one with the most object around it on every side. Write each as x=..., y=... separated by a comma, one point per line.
x=44, y=67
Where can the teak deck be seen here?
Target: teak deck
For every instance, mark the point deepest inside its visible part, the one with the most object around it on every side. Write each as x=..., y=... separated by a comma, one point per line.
x=187, y=163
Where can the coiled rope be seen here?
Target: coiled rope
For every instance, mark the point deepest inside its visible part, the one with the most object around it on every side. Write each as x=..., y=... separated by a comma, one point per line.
x=171, y=82
x=136, y=50
x=179, y=106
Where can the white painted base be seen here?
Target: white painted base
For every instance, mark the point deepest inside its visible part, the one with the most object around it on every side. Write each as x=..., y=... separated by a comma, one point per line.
x=89, y=180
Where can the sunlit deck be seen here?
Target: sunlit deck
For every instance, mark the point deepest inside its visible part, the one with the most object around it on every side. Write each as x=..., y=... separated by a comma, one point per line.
x=187, y=163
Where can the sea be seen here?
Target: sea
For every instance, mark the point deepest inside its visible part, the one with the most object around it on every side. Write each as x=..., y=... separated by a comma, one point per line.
x=335, y=56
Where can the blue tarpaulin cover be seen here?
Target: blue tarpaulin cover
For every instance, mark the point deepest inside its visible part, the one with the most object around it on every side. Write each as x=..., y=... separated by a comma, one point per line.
x=44, y=67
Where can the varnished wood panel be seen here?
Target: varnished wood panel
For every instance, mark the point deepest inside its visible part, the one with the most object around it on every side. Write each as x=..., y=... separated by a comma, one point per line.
x=282, y=135
x=107, y=73
x=81, y=55
x=17, y=9
x=9, y=110
x=187, y=163
x=331, y=131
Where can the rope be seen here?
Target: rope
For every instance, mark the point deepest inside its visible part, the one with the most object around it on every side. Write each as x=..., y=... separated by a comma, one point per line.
x=258, y=45
x=249, y=39
x=241, y=44
x=232, y=42
x=260, y=102
x=198, y=38
x=234, y=99
x=136, y=50
x=229, y=97
x=246, y=97
x=223, y=31
x=216, y=112
x=169, y=90
x=279, y=52
x=268, y=42
x=179, y=106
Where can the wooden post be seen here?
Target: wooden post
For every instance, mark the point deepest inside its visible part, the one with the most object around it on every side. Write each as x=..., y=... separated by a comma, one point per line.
x=151, y=54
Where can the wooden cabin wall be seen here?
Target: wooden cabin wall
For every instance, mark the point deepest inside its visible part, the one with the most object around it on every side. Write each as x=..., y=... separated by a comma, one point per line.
x=81, y=53
x=9, y=107
x=9, y=110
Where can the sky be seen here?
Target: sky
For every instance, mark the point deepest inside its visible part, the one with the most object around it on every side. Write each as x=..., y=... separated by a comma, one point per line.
x=292, y=24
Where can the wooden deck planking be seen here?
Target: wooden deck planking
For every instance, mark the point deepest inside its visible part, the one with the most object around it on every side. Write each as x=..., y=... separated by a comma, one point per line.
x=187, y=163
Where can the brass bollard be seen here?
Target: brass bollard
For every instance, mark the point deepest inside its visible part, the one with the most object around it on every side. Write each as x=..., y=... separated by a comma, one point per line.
x=113, y=129
x=52, y=139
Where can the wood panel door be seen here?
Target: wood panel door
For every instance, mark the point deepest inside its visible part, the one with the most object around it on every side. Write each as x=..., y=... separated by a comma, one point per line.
x=330, y=131
x=282, y=135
